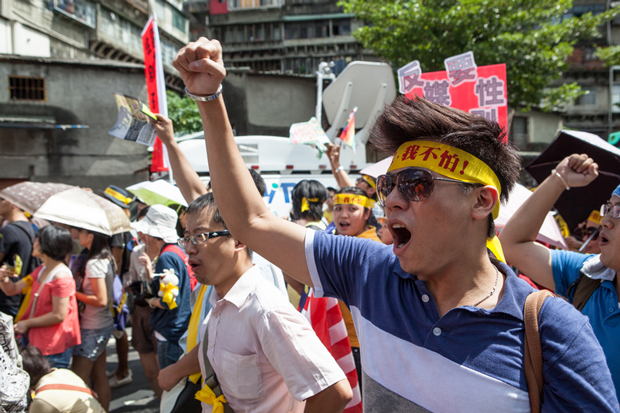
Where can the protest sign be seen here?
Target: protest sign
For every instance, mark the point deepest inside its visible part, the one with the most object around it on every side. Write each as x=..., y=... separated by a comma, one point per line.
x=155, y=87
x=309, y=133
x=132, y=123
x=479, y=90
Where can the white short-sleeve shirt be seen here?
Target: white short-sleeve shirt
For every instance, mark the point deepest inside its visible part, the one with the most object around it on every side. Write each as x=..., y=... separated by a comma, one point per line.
x=266, y=356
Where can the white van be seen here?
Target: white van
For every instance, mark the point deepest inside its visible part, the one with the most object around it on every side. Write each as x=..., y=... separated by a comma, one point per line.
x=281, y=164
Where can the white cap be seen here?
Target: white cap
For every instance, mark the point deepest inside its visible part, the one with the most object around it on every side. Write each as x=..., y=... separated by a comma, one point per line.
x=159, y=222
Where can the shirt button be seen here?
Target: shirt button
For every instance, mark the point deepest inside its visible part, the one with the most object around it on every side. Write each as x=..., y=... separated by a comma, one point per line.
x=611, y=310
x=425, y=298
x=437, y=331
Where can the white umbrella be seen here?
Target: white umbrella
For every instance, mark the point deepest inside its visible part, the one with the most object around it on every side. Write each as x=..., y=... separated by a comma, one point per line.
x=83, y=209
x=379, y=168
x=549, y=232
x=159, y=192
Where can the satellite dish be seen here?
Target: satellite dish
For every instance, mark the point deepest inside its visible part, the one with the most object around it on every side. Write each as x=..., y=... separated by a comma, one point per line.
x=367, y=85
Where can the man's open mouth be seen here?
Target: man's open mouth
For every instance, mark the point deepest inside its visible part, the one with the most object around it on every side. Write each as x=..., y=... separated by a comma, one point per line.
x=400, y=234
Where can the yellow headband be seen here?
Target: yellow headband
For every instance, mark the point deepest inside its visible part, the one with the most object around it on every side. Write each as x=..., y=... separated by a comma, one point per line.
x=448, y=161
x=368, y=179
x=305, y=205
x=117, y=195
x=354, y=200
x=595, y=217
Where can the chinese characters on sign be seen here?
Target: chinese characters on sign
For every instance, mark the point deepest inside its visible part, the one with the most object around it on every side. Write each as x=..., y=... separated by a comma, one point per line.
x=479, y=90
x=446, y=159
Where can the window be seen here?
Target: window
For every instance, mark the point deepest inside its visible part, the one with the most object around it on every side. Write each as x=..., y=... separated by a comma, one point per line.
x=27, y=88
x=178, y=21
x=276, y=33
x=589, y=53
x=588, y=98
x=519, y=132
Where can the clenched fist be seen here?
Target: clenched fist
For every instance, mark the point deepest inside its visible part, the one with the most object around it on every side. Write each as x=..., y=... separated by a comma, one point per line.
x=201, y=66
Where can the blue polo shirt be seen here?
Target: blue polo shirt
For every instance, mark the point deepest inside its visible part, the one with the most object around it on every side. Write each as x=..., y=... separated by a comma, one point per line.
x=471, y=359
x=172, y=323
x=601, y=309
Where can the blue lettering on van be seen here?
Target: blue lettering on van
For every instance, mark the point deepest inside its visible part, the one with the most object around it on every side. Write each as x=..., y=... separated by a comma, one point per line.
x=287, y=188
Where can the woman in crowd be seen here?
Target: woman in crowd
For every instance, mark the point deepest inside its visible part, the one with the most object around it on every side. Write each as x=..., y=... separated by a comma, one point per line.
x=95, y=295
x=51, y=319
x=352, y=210
x=307, y=198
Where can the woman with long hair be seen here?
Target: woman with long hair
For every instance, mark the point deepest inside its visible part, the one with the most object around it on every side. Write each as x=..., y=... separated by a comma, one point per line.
x=95, y=275
x=51, y=318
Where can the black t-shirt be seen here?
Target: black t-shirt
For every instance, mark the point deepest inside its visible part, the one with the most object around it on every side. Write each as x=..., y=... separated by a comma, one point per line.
x=123, y=240
x=16, y=240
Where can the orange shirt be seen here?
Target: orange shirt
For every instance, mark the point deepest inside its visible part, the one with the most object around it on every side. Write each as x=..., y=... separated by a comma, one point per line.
x=58, y=337
x=369, y=233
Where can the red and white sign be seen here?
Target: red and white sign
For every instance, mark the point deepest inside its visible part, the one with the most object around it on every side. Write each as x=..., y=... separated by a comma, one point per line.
x=479, y=90
x=155, y=88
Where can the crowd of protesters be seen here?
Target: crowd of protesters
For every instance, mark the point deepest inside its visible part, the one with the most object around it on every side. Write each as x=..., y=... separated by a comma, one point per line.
x=221, y=292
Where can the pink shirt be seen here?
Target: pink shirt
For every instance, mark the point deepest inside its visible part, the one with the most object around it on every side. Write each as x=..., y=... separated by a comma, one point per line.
x=266, y=356
x=59, y=337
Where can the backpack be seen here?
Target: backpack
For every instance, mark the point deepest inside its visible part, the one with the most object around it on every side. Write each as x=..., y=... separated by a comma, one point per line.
x=582, y=289
x=119, y=309
x=33, y=262
x=173, y=248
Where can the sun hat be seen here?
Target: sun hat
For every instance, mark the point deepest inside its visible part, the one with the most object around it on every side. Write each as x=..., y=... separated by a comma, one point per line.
x=159, y=222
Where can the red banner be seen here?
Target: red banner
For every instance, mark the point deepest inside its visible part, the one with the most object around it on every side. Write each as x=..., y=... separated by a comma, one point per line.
x=480, y=90
x=153, y=71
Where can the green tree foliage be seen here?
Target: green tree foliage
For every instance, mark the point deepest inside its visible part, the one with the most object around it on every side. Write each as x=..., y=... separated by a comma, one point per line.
x=609, y=55
x=530, y=36
x=184, y=114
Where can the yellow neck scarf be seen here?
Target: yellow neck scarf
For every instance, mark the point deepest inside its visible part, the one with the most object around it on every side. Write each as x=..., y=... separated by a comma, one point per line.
x=194, y=327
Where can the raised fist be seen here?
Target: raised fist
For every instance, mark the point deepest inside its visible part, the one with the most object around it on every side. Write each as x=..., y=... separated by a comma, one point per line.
x=201, y=66
x=577, y=170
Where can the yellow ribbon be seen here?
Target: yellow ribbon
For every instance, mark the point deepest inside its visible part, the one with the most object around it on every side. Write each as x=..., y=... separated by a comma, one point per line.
x=305, y=203
x=194, y=326
x=207, y=396
x=27, y=292
x=117, y=195
x=168, y=298
x=368, y=179
x=495, y=246
x=448, y=161
x=353, y=199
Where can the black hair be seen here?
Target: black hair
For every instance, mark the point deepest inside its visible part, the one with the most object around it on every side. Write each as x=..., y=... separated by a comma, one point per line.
x=99, y=249
x=208, y=201
x=418, y=119
x=143, y=212
x=258, y=181
x=334, y=190
x=34, y=363
x=55, y=242
x=309, y=189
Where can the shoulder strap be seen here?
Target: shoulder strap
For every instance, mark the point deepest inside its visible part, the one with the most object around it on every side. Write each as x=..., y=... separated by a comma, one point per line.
x=175, y=249
x=583, y=288
x=66, y=387
x=532, y=348
x=30, y=237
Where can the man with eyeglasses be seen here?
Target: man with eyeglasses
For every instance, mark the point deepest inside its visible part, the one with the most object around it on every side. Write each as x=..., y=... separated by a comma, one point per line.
x=264, y=353
x=558, y=270
x=440, y=323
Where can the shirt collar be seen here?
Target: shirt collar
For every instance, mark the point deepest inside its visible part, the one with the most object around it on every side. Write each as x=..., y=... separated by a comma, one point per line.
x=515, y=290
x=240, y=291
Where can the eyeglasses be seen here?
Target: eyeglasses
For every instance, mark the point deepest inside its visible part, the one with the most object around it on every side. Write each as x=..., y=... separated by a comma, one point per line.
x=201, y=238
x=413, y=183
x=611, y=210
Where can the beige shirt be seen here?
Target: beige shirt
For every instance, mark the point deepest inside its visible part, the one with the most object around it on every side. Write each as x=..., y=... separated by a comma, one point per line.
x=266, y=356
x=64, y=401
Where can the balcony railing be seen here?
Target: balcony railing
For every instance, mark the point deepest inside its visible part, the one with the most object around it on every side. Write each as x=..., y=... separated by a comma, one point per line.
x=234, y=5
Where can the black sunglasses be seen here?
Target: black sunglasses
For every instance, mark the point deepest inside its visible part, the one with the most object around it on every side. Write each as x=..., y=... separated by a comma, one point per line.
x=414, y=184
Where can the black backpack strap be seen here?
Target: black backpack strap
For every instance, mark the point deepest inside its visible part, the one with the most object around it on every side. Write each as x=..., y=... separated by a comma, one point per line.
x=30, y=237
x=580, y=291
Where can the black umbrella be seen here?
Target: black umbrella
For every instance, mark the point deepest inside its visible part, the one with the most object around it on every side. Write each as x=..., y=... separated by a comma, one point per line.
x=577, y=204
